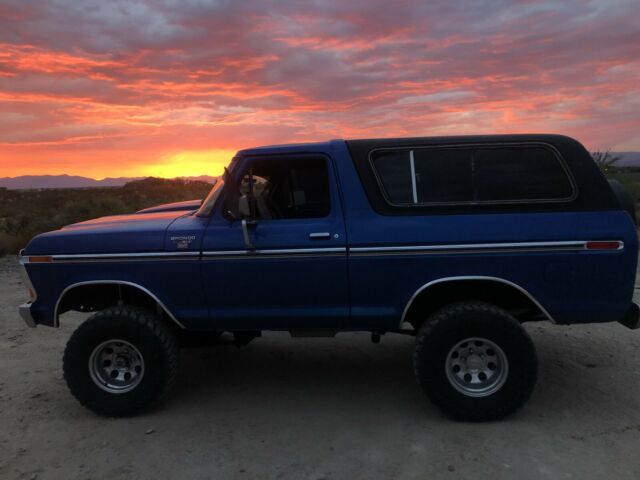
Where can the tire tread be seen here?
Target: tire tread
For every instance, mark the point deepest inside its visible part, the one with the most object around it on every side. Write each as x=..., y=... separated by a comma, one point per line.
x=146, y=320
x=429, y=332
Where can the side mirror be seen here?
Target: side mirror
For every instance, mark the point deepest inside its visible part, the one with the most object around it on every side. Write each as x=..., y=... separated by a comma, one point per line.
x=248, y=219
x=244, y=206
x=247, y=209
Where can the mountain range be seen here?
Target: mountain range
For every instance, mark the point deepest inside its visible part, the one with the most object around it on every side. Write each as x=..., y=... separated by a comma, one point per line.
x=627, y=159
x=25, y=182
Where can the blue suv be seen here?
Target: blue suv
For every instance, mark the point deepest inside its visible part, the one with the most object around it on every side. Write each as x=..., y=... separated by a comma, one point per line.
x=455, y=240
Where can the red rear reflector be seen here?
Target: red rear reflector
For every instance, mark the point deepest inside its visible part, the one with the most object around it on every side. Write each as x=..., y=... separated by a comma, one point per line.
x=42, y=259
x=602, y=245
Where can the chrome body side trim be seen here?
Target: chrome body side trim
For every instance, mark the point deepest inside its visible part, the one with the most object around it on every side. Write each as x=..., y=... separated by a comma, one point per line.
x=119, y=257
x=572, y=245
x=473, y=277
x=125, y=255
x=25, y=313
x=122, y=256
x=275, y=252
x=56, y=315
x=473, y=247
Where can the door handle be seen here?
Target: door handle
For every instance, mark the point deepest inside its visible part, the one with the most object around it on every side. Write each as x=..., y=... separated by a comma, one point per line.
x=319, y=236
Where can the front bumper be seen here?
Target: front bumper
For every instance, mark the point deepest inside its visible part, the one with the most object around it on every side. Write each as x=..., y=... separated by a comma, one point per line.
x=25, y=313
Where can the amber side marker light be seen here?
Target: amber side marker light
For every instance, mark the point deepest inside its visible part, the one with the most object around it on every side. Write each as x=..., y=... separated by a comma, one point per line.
x=42, y=259
x=603, y=245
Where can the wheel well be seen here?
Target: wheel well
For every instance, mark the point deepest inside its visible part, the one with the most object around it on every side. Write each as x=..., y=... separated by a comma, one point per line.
x=91, y=297
x=496, y=292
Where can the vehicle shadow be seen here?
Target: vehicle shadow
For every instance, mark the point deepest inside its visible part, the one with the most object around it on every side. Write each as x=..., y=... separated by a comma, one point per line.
x=351, y=376
x=343, y=373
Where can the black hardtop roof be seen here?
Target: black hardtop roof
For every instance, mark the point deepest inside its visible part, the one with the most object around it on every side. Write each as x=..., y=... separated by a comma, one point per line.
x=367, y=144
x=457, y=139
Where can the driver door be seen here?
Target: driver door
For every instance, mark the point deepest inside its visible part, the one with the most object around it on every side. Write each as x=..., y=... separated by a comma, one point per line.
x=287, y=269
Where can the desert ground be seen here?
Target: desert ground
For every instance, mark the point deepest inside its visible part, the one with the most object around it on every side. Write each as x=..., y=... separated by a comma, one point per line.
x=340, y=408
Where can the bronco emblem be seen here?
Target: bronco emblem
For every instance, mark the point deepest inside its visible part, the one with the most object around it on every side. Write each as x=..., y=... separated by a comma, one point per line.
x=183, y=241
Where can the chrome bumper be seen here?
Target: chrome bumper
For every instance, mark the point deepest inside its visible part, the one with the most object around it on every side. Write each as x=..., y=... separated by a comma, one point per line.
x=25, y=313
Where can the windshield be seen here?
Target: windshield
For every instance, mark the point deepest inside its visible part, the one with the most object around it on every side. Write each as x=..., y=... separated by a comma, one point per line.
x=208, y=203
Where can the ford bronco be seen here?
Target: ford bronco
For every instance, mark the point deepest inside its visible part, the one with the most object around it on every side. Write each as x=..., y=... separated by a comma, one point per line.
x=455, y=240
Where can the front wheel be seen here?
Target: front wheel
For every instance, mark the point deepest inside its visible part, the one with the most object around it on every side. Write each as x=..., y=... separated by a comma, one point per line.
x=475, y=361
x=120, y=361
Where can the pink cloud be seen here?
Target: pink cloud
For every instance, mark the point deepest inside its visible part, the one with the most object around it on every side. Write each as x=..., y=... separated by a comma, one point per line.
x=81, y=80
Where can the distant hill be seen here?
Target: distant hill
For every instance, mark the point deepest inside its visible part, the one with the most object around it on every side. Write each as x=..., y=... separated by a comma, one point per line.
x=26, y=182
x=628, y=159
x=202, y=178
x=27, y=212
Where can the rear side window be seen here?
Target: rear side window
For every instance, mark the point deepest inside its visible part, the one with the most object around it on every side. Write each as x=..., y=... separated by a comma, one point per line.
x=486, y=174
x=394, y=172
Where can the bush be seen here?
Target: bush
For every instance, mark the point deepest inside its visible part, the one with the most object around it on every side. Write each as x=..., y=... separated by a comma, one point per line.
x=26, y=213
x=605, y=160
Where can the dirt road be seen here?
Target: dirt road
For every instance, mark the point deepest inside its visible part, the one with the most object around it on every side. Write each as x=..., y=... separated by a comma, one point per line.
x=338, y=408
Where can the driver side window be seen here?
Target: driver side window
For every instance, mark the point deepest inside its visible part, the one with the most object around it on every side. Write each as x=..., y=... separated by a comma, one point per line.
x=287, y=188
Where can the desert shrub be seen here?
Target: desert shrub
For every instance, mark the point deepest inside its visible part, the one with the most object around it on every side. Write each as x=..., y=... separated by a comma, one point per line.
x=26, y=213
x=605, y=160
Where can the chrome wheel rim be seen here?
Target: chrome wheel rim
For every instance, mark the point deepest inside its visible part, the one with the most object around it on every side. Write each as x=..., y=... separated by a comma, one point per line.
x=116, y=366
x=477, y=367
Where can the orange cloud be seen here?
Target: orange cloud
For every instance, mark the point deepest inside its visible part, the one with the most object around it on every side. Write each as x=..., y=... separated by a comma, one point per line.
x=113, y=88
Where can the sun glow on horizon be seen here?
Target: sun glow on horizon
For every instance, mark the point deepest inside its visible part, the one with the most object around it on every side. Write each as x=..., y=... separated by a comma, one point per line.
x=190, y=163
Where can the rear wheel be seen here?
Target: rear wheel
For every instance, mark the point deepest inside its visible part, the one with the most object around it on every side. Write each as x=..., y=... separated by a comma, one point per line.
x=120, y=361
x=475, y=361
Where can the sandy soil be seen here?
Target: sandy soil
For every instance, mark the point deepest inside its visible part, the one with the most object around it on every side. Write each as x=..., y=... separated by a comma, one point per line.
x=338, y=408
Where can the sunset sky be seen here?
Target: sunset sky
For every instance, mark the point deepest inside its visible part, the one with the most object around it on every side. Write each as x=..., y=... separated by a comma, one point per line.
x=115, y=88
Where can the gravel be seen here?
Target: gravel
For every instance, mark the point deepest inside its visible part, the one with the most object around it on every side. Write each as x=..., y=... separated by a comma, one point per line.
x=339, y=408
